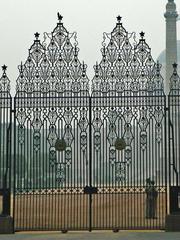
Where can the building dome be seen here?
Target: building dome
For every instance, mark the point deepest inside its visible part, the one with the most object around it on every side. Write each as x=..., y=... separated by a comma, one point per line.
x=162, y=56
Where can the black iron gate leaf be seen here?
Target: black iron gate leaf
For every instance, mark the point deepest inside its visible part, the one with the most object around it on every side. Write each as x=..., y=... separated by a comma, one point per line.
x=5, y=143
x=89, y=155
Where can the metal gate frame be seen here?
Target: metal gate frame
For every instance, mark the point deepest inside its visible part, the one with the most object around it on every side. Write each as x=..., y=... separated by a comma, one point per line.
x=5, y=143
x=54, y=93
x=140, y=83
x=174, y=141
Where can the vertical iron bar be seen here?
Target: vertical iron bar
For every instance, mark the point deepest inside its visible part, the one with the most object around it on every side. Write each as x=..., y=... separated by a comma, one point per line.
x=6, y=190
x=166, y=112
x=90, y=164
x=14, y=170
x=169, y=145
x=10, y=149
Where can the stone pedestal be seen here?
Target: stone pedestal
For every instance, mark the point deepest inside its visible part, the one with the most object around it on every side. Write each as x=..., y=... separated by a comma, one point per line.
x=172, y=223
x=6, y=225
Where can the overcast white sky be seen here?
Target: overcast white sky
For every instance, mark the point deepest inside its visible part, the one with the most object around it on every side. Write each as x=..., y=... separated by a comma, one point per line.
x=20, y=19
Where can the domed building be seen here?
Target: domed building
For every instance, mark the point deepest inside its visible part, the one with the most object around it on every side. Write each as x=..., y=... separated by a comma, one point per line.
x=169, y=56
x=162, y=60
x=162, y=56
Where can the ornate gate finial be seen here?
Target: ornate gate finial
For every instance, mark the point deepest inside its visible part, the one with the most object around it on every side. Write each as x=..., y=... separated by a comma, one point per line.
x=119, y=18
x=175, y=66
x=60, y=17
x=174, y=81
x=4, y=68
x=142, y=34
x=4, y=81
x=37, y=35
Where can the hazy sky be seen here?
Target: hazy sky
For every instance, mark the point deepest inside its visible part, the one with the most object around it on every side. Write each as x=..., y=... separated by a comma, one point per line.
x=20, y=19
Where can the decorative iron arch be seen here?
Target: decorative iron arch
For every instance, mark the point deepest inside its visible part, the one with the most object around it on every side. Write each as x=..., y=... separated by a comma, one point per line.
x=127, y=67
x=127, y=94
x=52, y=88
x=53, y=66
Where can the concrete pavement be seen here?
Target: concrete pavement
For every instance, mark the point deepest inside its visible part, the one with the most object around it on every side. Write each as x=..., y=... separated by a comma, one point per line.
x=96, y=235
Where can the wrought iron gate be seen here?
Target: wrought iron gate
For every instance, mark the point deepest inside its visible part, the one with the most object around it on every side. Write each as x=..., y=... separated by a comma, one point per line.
x=86, y=155
x=88, y=160
x=128, y=135
x=174, y=138
x=5, y=143
x=52, y=143
x=173, y=106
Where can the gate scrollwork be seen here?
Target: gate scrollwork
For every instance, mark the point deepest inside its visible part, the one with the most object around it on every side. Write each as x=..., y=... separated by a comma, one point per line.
x=51, y=84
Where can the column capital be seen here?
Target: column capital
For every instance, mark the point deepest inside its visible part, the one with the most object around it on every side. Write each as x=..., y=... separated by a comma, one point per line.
x=171, y=15
x=171, y=10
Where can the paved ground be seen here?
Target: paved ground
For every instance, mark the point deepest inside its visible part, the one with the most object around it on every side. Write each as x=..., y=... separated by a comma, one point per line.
x=107, y=235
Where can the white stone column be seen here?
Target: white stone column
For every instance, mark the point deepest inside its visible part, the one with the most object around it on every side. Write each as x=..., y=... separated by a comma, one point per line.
x=171, y=40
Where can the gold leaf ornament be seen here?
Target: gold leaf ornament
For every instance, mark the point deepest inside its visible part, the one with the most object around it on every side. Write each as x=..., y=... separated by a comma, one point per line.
x=120, y=144
x=60, y=145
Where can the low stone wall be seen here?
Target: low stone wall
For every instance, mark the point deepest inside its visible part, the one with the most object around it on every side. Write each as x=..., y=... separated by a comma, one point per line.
x=6, y=225
x=173, y=223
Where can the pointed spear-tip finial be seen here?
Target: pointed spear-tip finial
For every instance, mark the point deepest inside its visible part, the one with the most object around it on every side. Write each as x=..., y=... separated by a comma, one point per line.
x=21, y=67
x=75, y=51
x=37, y=35
x=119, y=18
x=83, y=66
x=60, y=17
x=96, y=67
x=104, y=51
x=158, y=68
x=83, y=69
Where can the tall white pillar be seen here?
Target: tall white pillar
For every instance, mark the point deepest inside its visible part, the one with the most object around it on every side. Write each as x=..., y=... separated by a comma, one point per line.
x=171, y=40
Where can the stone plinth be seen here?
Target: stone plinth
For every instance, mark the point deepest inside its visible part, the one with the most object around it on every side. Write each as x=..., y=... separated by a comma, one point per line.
x=173, y=223
x=6, y=225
